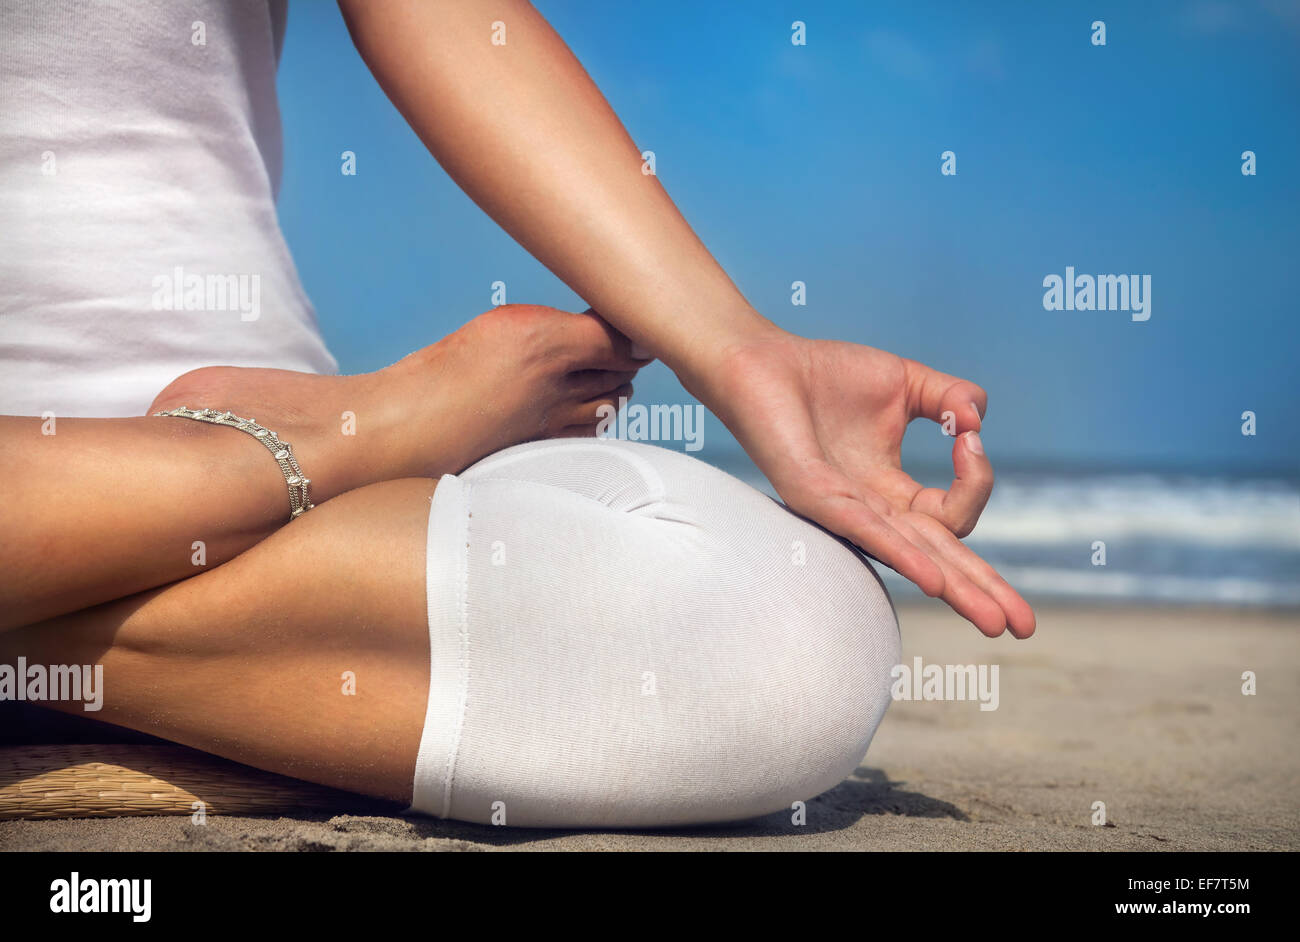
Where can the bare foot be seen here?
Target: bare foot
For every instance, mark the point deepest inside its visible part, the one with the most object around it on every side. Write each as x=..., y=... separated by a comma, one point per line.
x=516, y=373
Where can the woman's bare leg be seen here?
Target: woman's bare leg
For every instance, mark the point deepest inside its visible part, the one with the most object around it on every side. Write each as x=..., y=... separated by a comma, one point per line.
x=157, y=490
x=248, y=660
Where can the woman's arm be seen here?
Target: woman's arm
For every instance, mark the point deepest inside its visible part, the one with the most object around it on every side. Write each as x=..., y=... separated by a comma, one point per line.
x=524, y=131
x=527, y=134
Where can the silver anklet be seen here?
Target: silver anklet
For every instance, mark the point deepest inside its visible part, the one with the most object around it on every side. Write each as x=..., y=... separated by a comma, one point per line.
x=299, y=501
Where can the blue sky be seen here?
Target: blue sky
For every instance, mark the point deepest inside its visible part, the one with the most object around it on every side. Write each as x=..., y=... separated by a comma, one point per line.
x=821, y=163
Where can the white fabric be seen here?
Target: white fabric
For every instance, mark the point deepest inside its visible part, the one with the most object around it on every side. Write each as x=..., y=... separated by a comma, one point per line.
x=623, y=636
x=165, y=154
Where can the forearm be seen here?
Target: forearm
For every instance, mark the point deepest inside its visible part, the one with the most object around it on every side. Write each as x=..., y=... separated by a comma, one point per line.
x=526, y=133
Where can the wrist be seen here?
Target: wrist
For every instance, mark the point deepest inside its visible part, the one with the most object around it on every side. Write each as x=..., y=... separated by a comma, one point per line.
x=711, y=366
x=711, y=355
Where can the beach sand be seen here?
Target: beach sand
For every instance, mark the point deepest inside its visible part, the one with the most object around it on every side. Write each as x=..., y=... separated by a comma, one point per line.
x=1141, y=709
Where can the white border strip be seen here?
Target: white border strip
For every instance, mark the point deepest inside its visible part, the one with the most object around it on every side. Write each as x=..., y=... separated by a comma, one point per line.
x=446, y=584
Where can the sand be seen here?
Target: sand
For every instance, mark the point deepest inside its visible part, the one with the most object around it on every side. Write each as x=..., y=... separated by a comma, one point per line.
x=1140, y=709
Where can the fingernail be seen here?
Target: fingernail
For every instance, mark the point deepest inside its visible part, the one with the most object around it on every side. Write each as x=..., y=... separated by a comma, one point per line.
x=977, y=409
x=974, y=444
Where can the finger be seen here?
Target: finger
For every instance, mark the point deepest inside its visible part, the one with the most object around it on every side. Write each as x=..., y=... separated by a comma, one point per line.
x=588, y=384
x=959, y=507
x=600, y=408
x=962, y=559
x=591, y=342
x=1019, y=614
x=875, y=535
x=944, y=399
x=962, y=594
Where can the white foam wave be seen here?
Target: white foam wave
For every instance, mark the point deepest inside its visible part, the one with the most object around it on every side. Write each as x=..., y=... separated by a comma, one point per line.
x=1204, y=513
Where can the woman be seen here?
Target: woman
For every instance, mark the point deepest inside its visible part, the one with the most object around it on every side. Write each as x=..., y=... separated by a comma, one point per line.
x=563, y=632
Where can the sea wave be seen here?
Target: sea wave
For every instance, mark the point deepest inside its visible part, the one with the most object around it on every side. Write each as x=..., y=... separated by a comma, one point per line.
x=1210, y=513
x=1078, y=584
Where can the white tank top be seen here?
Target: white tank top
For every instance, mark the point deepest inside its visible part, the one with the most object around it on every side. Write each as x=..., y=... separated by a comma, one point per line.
x=139, y=164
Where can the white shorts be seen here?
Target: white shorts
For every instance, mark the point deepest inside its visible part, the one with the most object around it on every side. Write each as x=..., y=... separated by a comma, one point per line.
x=624, y=636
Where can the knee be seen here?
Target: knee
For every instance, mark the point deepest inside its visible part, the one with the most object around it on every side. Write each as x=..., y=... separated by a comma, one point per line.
x=849, y=687
x=738, y=706
x=785, y=637
x=807, y=703
x=730, y=660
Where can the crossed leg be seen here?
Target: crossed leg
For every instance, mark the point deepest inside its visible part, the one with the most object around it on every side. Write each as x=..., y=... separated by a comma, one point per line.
x=247, y=660
x=606, y=634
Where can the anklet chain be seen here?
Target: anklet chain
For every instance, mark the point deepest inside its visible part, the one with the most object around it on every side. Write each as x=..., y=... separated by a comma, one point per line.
x=299, y=500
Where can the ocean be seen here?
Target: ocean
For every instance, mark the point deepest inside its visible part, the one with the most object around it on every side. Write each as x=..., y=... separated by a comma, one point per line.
x=1169, y=538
